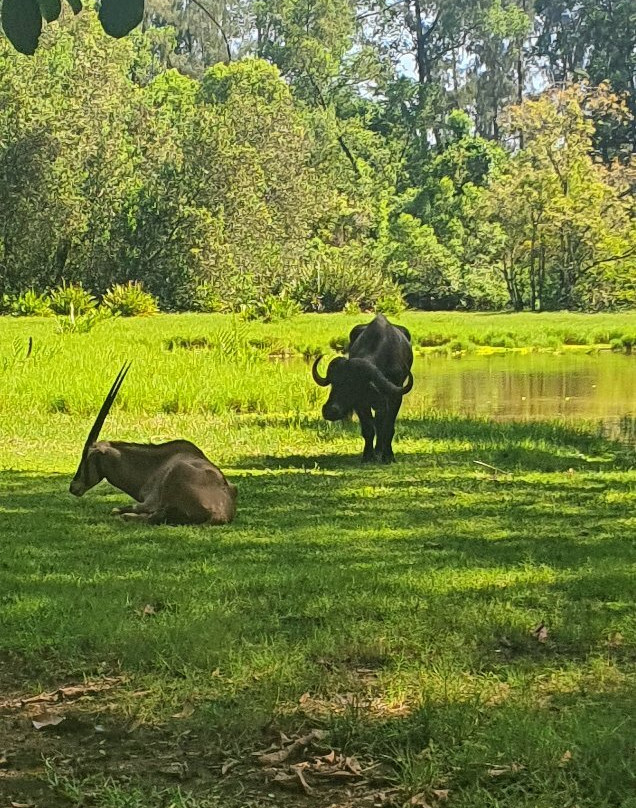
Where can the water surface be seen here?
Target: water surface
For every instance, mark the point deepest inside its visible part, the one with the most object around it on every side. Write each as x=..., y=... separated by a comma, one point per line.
x=595, y=388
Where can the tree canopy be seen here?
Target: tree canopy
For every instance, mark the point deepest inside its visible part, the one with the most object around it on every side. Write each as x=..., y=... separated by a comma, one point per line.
x=326, y=151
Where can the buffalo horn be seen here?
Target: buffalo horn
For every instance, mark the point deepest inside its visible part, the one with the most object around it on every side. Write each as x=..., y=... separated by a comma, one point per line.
x=105, y=408
x=320, y=380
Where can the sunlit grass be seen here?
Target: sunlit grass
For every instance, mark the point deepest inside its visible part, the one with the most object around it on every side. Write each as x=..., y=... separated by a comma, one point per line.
x=394, y=607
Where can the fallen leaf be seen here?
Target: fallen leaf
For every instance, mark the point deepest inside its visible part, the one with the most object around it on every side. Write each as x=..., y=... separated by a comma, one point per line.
x=22, y=805
x=540, y=632
x=148, y=609
x=498, y=771
x=281, y=755
x=303, y=783
x=46, y=720
x=441, y=793
x=419, y=800
x=175, y=769
x=229, y=764
x=566, y=757
x=186, y=712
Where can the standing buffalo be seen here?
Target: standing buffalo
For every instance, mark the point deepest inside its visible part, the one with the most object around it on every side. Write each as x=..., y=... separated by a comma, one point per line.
x=372, y=378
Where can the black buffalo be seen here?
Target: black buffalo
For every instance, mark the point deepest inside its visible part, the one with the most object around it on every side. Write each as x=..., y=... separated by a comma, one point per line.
x=370, y=381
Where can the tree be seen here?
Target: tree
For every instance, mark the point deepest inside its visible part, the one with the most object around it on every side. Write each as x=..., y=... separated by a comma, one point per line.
x=566, y=219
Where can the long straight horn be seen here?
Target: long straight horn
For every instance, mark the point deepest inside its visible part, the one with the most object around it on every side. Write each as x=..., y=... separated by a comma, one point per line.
x=105, y=408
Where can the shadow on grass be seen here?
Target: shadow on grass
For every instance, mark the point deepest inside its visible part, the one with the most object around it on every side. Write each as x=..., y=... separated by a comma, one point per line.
x=312, y=551
x=529, y=446
x=431, y=573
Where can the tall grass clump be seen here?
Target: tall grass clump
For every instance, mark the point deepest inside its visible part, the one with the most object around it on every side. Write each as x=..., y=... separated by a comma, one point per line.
x=72, y=299
x=130, y=300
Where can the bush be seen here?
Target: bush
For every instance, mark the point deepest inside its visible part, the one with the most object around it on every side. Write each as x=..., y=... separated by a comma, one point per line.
x=30, y=304
x=272, y=308
x=72, y=300
x=130, y=300
x=390, y=303
x=332, y=278
x=207, y=300
x=70, y=324
x=433, y=340
x=459, y=345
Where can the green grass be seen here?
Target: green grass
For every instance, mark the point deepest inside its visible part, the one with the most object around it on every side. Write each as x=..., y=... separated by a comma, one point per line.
x=393, y=607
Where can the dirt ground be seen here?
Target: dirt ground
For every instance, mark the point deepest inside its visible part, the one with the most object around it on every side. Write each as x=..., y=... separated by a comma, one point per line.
x=58, y=747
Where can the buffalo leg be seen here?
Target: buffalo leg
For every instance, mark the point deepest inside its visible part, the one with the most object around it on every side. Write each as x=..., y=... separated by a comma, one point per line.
x=385, y=418
x=367, y=425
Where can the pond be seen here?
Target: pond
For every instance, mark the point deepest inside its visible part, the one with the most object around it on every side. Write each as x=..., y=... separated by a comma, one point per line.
x=595, y=388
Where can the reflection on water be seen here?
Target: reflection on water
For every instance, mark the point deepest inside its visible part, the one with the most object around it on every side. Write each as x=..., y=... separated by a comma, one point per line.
x=597, y=388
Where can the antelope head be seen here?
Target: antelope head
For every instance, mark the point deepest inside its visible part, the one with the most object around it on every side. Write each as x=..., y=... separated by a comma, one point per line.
x=89, y=471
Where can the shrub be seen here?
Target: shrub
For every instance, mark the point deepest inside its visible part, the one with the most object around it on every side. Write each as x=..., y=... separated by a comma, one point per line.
x=130, y=300
x=207, y=300
x=30, y=304
x=390, y=303
x=340, y=343
x=616, y=344
x=332, y=278
x=270, y=309
x=433, y=340
x=70, y=324
x=351, y=307
x=459, y=345
x=72, y=299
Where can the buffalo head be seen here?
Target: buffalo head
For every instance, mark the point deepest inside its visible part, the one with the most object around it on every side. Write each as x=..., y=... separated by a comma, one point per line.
x=352, y=381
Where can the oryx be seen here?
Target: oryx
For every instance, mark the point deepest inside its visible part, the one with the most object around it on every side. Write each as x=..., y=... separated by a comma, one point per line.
x=172, y=482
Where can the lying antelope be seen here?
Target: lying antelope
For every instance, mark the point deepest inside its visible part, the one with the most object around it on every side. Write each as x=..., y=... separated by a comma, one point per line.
x=172, y=482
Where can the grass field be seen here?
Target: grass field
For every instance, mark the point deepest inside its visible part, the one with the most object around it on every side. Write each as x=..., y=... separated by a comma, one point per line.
x=463, y=637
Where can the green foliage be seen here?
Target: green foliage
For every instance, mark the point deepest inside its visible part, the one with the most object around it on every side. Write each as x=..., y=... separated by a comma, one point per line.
x=129, y=300
x=280, y=176
x=270, y=309
x=331, y=278
x=207, y=300
x=72, y=299
x=31, y=304
x=390, y=304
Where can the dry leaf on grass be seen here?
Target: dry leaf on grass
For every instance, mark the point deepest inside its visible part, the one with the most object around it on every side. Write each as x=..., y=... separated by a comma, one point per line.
x=43, y=720
x=185, y=712
x=22, y=805
x=175, y=769
x=281, y=755
x=498, y=771
x=229, y=764
x=566, y=757
x=420, y=801
x=540, y=632
x=148, y=610
x=441, y=793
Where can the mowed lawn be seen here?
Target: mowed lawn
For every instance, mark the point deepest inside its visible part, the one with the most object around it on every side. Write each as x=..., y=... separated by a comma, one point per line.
x=460, y=635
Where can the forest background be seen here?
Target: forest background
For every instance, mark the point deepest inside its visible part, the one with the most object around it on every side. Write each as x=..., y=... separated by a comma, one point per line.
x=320, y=155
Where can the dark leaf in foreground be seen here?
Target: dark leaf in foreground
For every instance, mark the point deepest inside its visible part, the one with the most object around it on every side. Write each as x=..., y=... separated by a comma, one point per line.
x=119, y=17
x=50, y=9
x=22, y=23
